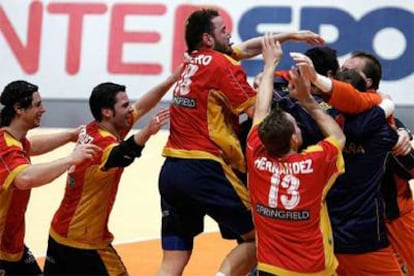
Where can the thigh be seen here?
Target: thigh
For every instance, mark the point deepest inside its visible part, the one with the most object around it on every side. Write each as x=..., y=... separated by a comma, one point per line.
x=182, y=216
x=229, y=205
x=191, y=188
x=27, y=265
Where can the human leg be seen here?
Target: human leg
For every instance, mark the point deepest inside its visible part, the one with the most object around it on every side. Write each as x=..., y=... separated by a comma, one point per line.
x=192, y=188
x=181, y=217
x=231, y=211
x=241, y=259
x=173, y=262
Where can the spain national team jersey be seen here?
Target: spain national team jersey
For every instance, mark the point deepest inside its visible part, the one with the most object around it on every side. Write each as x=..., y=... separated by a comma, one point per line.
x=82, y=218
x=14, y=158
x=288, y=205
x=212, y=90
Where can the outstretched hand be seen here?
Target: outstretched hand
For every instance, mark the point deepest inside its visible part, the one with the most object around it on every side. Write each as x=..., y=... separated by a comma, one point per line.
x=308, y=37
x=271, y=50
x=159, y=120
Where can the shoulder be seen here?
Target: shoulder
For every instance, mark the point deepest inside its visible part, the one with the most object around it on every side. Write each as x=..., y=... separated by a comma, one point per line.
x=221, y=58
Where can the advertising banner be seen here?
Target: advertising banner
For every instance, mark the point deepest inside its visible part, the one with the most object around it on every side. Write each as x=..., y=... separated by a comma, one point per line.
x=68, y=47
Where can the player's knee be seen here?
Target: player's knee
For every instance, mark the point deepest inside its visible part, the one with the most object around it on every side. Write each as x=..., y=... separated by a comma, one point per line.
x=249, y=237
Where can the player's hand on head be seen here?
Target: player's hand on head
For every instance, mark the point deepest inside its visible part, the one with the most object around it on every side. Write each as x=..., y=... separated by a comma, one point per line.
x=305, y=65
x=299, y=87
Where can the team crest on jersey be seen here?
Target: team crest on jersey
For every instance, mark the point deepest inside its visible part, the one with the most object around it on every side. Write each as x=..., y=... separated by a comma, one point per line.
x=84, y=137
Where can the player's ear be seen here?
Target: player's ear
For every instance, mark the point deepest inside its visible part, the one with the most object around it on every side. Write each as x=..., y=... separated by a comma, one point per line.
x=106, y=112
x=294, y=141
x=208, y=40
x=368, y=82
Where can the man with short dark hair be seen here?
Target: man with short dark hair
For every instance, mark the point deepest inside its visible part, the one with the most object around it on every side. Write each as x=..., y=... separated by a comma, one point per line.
x=22, y=111
x=80, y=241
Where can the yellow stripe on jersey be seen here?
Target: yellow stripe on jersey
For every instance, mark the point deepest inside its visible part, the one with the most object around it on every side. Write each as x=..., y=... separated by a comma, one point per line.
x=12, y=175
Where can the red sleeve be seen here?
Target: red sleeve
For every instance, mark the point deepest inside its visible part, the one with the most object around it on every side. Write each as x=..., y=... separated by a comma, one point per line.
x=347, y=99
x=12, y=162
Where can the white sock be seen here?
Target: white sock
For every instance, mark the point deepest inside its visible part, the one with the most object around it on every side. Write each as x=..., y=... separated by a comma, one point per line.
x=220, y=274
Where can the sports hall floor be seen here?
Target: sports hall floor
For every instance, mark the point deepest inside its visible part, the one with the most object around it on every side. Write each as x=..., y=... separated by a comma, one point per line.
x=135, y=219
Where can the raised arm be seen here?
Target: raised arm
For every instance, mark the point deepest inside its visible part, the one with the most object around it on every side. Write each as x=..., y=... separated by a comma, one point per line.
x=44, y=143
x=147, y=101
x=125, y=153
x=253, y=47
x=272, y=53
x=300, y=89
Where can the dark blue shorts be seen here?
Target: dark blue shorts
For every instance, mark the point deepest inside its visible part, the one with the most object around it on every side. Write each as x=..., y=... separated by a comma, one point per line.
x=66, y=260
x=26, y=266
x=193, y=188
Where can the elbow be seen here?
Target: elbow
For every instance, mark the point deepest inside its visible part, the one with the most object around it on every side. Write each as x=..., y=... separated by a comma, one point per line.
x=342, y=140
x=24, y=182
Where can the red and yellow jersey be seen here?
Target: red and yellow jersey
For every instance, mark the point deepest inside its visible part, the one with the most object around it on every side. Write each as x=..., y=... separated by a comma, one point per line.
x=212, y=90
x=81, y=220
x=293, y=230
x=14, y=158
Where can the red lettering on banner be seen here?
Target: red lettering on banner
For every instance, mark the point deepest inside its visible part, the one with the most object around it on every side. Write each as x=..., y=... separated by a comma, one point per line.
x=76, y=13
x=119, y=36
x=27, y=56
x=181, y=14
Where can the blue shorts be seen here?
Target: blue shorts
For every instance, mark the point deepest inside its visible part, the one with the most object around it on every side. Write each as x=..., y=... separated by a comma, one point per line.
x=193, y=188
x=27, y=265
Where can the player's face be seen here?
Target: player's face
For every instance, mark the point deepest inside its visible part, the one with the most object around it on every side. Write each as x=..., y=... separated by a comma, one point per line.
x=357, y=64
x=122, y=111
x=221, y=36
x=33, y=114
x=354, y=63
